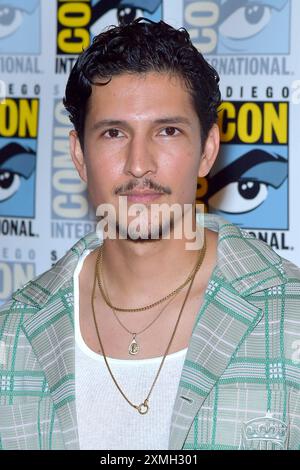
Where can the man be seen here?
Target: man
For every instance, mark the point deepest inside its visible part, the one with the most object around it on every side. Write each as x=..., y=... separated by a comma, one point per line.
x=217, y=367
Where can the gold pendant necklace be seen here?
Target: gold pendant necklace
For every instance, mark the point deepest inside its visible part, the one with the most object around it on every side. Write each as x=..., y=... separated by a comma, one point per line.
x=133, y=347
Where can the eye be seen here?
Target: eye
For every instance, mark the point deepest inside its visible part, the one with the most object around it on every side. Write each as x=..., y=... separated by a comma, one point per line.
x=112, y=133
x=10, y=20
x=246, y=21
x=111, y=15
x=127, y=14
x=170, y=131
x=239, y=197
x=9, y=184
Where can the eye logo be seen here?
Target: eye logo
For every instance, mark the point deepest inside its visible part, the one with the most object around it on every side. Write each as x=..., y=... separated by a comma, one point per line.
x=123, y=12
x=78, y=23
x=245, y=184
x=248, y=184
x=19, y=27
x=239, y=26
x=18, y=142
x=17, y=174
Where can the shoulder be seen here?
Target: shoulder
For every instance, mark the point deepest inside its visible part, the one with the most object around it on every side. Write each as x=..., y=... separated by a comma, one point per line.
x=291, y=298
x=27, y=304
x=292, y=271
x=283, y=324
x=45, y=287
x=29, y=298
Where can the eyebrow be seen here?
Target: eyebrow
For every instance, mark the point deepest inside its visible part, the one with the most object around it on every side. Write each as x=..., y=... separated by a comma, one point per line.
x=164, y=120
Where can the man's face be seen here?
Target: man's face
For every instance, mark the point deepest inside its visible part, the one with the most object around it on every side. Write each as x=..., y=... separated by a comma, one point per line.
x=141, y=133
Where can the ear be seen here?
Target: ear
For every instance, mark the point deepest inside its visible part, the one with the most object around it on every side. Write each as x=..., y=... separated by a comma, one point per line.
x=77, y=155
x=210, y=151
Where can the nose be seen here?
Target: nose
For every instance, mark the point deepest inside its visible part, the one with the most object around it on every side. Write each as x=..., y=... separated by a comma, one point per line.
x=140, y=157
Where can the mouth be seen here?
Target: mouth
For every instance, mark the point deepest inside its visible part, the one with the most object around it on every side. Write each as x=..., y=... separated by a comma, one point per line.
x=142, y=196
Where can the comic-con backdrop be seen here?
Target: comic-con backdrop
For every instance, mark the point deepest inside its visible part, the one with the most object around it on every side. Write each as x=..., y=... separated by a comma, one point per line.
x=254, y=45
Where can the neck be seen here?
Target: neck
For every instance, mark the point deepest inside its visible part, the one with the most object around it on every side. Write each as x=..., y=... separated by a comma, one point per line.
x=139, y=273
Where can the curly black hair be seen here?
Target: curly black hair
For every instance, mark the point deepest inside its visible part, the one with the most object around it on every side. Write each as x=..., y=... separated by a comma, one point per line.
x=138, y=47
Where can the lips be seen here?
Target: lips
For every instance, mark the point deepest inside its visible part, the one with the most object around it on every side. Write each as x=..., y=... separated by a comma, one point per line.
x=142, y=195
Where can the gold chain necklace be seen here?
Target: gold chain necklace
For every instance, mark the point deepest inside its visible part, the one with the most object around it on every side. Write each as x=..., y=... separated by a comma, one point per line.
x=143, y=407
x=174, y=292
x=134, y=347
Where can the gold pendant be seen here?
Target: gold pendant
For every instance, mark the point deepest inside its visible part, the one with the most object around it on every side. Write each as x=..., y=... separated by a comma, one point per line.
x=143, y=407
x=133, y=347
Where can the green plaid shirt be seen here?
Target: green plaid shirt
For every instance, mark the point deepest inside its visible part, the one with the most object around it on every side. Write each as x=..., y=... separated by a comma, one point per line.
x=239, y=387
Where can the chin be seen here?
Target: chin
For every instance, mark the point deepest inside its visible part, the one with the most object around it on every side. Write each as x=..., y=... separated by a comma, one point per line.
x=146, y=235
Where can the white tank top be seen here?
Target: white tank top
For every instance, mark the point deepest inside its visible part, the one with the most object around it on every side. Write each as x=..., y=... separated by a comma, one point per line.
x=105, y=418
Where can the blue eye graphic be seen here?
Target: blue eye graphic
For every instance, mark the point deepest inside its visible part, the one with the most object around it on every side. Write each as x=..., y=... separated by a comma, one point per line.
x=240, y=197
x=10, y=20
x=9, y=184
x=246, y=22
x=12, y=15
x=241, y=20
x=121, y=11
x=127, y=14
x=16, y=162
x=243, y=185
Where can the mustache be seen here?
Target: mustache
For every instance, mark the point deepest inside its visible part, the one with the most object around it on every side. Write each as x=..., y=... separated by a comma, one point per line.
x=147, y=183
